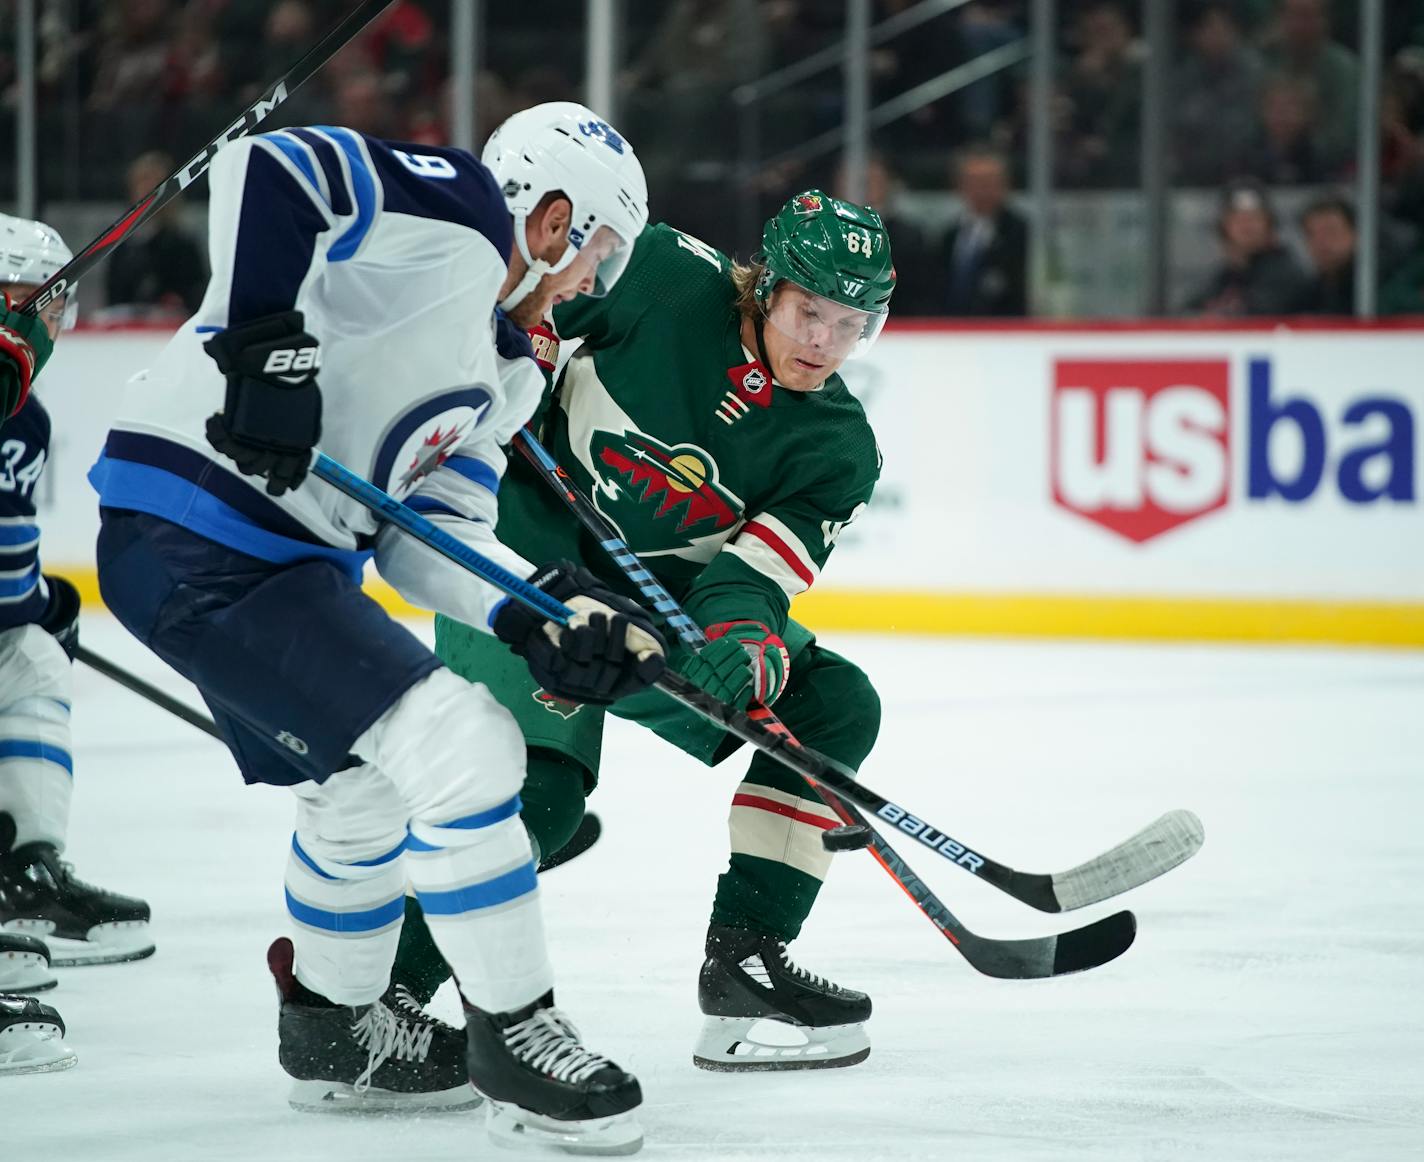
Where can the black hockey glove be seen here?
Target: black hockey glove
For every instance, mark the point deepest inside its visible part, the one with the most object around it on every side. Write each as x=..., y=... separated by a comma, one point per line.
x=61, y=615
x=607, y=651
x=271, y=419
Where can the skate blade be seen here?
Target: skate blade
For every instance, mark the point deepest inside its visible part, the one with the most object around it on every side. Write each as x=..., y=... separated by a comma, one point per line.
x=31, y=1049
x=514, y=1128
x=334, y=1097
x=114, y=943
x=25, y=972
x=745, y=1044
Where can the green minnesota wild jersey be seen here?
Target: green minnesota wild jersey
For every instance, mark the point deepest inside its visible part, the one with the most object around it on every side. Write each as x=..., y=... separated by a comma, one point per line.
x=731, y=488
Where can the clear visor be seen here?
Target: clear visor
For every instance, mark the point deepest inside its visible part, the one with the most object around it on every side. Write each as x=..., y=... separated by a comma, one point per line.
x=59, y=313
x=818, y=325
x=598, y=259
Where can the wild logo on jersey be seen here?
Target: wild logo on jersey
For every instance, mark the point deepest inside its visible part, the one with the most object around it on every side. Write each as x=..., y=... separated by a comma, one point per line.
x=660, y=498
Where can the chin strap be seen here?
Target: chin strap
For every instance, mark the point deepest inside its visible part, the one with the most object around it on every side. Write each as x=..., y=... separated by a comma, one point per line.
x=759, y=326
x=537, y=268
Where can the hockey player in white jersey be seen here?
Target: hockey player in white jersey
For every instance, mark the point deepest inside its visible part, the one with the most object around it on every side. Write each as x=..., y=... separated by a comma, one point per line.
x=358, y=299
x=47, y=914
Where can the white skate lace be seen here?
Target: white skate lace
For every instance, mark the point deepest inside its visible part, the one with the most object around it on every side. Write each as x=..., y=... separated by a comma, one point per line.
x=549, y=1043
x=387, y=1035
x=800, y=973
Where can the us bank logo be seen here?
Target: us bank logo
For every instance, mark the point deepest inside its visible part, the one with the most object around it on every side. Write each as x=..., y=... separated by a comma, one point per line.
x=1145, y=446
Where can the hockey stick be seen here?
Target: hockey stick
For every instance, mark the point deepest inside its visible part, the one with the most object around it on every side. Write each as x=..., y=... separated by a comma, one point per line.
x=1073, y=951
x=144, y=690
x=185, y=175
x=1157, y=848
x=854, y=832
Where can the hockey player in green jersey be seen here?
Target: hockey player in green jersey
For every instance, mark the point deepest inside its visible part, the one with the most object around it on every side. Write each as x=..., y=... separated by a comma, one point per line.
x=704, y=416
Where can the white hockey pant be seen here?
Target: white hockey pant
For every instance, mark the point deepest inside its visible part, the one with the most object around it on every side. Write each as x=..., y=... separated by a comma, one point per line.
x=436, y=801
x=36, y=767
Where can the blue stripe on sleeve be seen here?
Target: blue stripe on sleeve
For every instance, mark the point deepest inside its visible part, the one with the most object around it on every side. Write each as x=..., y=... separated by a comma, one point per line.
x=18, y=536
x=474, y=469
x=276, y=239
x=363, y=185
x=489, y=894
x=24, y=748
x=331, y=165
x=18, y=588
x=368, y=920
x=297, y=156
x=429, y=505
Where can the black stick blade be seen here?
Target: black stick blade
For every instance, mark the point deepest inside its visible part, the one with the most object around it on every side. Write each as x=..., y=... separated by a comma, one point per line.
x=1047, y=956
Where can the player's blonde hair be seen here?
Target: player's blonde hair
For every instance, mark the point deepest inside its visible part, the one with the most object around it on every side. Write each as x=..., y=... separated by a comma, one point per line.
x=744, y=279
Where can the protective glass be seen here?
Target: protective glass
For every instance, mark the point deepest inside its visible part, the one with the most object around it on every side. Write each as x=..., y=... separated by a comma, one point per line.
x=821, y=325
x=59, y=313
x=603, y=255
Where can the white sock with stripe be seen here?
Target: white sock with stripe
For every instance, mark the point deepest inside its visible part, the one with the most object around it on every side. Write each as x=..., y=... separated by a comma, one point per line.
x=346, y=920
x=476, y=883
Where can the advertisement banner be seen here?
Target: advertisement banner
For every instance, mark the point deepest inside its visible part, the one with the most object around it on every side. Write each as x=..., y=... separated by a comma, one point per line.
x=1261, y=466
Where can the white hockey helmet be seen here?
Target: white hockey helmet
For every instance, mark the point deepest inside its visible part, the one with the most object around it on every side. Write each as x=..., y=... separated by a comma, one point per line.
x=566, y=147
x=30, y=252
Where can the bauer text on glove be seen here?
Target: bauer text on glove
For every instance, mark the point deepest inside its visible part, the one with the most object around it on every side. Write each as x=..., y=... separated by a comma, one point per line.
x=271, y=417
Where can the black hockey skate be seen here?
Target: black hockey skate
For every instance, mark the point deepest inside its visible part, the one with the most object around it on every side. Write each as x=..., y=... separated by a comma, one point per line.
x=545, y=1088
x=24, y=964
x=31, y=1037
x=764, y=1012
x=41, y=896
x=384, y=1057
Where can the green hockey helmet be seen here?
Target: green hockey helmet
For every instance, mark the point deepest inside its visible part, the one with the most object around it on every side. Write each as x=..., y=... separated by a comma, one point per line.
x=833, y=250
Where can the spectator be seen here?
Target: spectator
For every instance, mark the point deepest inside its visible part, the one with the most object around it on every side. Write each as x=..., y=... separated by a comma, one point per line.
x=1258, y=276
x=159, y=267
x=1303, y=50
x=916, y=292
x=134, y=58
x=1215, y=93
x=1329, y=228
x=1103, y=101
x=983, y=264
x=1287, y=150
x=362, y=104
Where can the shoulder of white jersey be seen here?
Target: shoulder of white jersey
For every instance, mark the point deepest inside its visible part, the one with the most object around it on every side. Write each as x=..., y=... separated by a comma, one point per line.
x=353, y=176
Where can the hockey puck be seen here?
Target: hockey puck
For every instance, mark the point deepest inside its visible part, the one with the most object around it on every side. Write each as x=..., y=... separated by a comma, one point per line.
x=850, y=837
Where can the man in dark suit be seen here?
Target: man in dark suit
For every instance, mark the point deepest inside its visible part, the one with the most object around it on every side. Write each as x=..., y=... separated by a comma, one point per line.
x=983, y=265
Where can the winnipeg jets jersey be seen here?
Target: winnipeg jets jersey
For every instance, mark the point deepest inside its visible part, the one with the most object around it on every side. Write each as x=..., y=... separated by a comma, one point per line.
x=395, y=258
x=24, y=444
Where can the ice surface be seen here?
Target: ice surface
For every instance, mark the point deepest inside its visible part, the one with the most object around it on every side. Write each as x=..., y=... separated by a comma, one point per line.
x=1273, y=1006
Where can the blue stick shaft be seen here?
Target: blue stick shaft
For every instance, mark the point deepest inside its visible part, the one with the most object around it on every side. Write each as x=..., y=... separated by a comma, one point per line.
x=613, y=544
x=404, y=517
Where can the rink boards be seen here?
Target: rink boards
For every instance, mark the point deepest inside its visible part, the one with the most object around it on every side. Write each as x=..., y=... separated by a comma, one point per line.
x=1259, y=483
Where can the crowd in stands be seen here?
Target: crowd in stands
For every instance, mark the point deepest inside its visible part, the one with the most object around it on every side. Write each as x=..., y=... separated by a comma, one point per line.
x=1262, y=95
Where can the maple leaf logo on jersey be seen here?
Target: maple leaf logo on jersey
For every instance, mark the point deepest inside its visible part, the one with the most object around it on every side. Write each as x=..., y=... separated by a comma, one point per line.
x=556, y=705
x=660, y=498
x=434, y=451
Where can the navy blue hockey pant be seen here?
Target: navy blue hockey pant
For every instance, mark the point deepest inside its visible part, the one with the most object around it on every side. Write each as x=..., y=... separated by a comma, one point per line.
x=294, y=660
